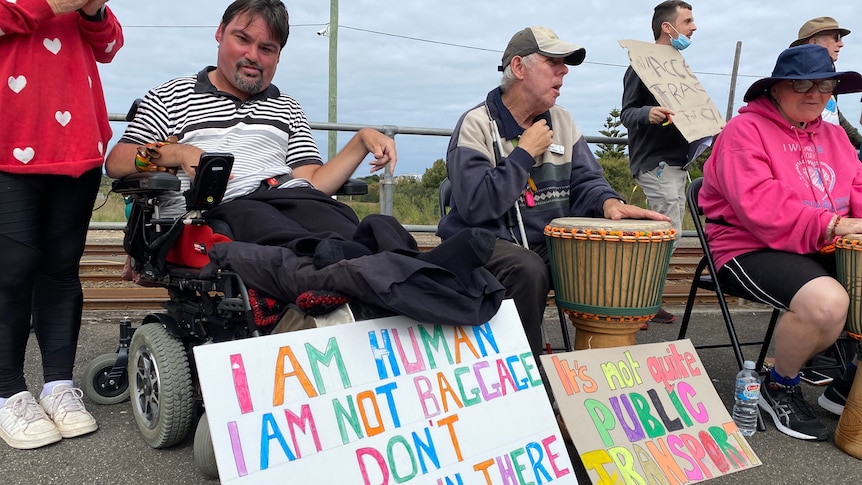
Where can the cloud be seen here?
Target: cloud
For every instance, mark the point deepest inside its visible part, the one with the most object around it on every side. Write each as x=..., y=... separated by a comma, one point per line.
x=422, y=64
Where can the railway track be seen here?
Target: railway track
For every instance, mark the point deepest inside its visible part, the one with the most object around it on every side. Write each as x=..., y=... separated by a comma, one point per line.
x=104, y=289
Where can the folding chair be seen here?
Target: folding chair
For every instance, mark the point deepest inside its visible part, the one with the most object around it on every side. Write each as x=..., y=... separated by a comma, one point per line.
x=708, y=281
x=444, y=195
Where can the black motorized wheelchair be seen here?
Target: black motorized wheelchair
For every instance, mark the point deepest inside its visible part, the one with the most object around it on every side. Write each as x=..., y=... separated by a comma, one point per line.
x=154, y=363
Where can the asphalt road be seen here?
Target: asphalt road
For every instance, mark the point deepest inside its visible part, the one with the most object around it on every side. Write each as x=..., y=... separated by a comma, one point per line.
x=116, y=453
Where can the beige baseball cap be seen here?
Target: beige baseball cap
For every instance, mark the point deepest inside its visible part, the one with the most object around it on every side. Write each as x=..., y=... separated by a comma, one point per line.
x=544, y=41
x=815, y=26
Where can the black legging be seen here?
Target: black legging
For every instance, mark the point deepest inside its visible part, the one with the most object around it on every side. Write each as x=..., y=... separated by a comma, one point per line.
x=43, y=230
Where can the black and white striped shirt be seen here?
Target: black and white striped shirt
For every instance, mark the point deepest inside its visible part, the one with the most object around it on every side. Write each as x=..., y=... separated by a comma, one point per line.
x=268, y=133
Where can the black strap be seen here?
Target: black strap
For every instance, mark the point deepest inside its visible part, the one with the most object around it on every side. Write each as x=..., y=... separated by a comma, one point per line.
x=274, y=182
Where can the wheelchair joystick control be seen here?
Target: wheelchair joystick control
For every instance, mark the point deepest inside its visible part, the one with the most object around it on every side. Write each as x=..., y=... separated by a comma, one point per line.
x=211, y=176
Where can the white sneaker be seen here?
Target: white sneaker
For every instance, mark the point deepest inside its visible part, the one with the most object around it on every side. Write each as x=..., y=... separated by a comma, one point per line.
x=65, y=407
x=24, y=424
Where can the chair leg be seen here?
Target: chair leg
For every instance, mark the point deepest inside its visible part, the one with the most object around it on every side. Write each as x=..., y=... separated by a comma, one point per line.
x=731, y=330
x=761, y=425
x=689, y=306
x=564, y=329
x=767, y=338
x=764, y=348
x=692, y=294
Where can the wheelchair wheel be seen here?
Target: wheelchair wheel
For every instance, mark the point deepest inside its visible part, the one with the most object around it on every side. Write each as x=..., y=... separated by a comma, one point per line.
x=204, y=453
x=101, y=388
x=160, y=386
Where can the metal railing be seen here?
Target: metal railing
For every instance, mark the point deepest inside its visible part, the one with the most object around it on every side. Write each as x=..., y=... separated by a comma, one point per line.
x=387, y=181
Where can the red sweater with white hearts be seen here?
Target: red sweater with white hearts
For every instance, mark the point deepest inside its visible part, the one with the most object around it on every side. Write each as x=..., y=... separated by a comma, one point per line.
x=54, y=119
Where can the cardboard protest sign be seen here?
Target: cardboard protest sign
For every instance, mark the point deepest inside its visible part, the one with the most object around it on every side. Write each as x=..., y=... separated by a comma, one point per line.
x=646, y=414
x=381, y=402
x=668, y=77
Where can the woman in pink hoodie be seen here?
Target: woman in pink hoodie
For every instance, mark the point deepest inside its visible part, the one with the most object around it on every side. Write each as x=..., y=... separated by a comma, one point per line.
x=780, y=186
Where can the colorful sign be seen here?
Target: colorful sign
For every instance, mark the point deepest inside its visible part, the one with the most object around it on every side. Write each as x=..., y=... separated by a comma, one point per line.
x=669, y=78
x=383, y=402
x=646, y=414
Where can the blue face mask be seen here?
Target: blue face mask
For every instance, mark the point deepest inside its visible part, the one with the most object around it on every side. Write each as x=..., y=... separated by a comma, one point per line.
x=681, y=41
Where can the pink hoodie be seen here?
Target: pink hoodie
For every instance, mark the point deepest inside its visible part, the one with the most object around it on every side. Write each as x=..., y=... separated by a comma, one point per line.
x=777, y=186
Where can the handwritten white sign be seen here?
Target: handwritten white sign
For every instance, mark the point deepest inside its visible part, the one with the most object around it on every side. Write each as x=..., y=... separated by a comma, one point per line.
x=381, y=402
x=668, y=77
x=646, y=414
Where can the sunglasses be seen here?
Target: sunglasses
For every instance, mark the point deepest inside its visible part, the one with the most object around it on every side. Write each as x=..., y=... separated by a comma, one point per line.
x=825, y=86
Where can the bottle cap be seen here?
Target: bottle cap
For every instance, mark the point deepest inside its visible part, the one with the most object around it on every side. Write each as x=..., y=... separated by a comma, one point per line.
x=748, y=364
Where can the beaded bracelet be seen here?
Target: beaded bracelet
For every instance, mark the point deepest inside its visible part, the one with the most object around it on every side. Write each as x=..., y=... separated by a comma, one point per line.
x=830, y=229
x=145, y=155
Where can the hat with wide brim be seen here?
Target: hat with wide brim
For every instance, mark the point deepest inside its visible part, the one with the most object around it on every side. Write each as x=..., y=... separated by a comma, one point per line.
x=544, y=41
x=816, y=26
x=807, y=61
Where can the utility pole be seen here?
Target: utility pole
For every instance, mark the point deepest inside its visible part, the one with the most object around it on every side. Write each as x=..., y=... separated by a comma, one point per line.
x=734, y=73
x=333, y=76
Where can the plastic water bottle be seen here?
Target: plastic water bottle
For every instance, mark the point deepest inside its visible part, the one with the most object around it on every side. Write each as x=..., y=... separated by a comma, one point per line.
x=747, y=394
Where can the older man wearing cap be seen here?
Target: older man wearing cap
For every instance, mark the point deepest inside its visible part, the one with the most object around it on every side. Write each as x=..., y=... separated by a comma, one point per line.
x=658, y=153
x=826, y=32
x=778, y=189
x=517, y=156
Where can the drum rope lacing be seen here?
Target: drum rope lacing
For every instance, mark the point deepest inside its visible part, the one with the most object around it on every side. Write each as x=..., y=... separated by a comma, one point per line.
x=609, y=234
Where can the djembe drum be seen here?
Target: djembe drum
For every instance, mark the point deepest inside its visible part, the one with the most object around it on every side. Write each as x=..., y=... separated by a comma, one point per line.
x=608, y=275
x=848, y=259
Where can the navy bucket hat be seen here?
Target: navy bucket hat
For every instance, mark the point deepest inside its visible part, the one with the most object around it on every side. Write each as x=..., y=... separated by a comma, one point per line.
x=809, y=61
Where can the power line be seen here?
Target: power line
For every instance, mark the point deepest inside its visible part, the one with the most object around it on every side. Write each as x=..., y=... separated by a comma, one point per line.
x=418, y=39
x=415, y=39
x=162, y=26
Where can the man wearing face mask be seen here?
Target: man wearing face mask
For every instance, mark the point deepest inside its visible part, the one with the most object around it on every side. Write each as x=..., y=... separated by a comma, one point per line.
x=657, y=150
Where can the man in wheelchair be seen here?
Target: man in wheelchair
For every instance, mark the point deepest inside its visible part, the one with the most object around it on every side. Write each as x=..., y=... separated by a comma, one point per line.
x=289, y=235
x=231, y=199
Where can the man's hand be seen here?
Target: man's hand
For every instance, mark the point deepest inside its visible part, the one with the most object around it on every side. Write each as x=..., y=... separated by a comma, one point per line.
x=615, y=209
x=660, y=114
x=537, y=138
x=179, y=155
x=381, y=146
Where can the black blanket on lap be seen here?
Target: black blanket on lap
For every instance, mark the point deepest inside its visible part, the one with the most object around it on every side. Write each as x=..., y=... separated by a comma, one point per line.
x=395, y=282
x=278, y=231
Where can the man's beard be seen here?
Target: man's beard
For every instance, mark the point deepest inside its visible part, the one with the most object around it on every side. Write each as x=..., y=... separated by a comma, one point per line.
x=243, y=84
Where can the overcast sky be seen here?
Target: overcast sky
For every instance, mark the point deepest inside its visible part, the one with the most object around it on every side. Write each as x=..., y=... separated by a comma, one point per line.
x=423, y=63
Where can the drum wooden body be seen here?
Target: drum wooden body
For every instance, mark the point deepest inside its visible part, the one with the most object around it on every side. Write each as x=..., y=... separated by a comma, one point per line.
x=848, y=433
x=608, y=275
x=848, y=263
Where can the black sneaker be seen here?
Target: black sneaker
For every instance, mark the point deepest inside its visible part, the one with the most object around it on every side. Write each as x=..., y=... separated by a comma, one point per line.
x=790, y=412
x=835, y=396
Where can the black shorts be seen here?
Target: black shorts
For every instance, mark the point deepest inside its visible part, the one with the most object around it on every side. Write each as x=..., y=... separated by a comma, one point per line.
x=774, y=277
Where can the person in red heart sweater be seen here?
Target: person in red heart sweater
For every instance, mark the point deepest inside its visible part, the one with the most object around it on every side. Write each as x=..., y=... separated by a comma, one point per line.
x=55, y=133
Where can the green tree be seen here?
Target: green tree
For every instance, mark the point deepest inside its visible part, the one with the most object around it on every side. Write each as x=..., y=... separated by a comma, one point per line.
x=414, y=203
x=434, y=175
x=619, y=175
x=373, y=194
x=612, y=130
